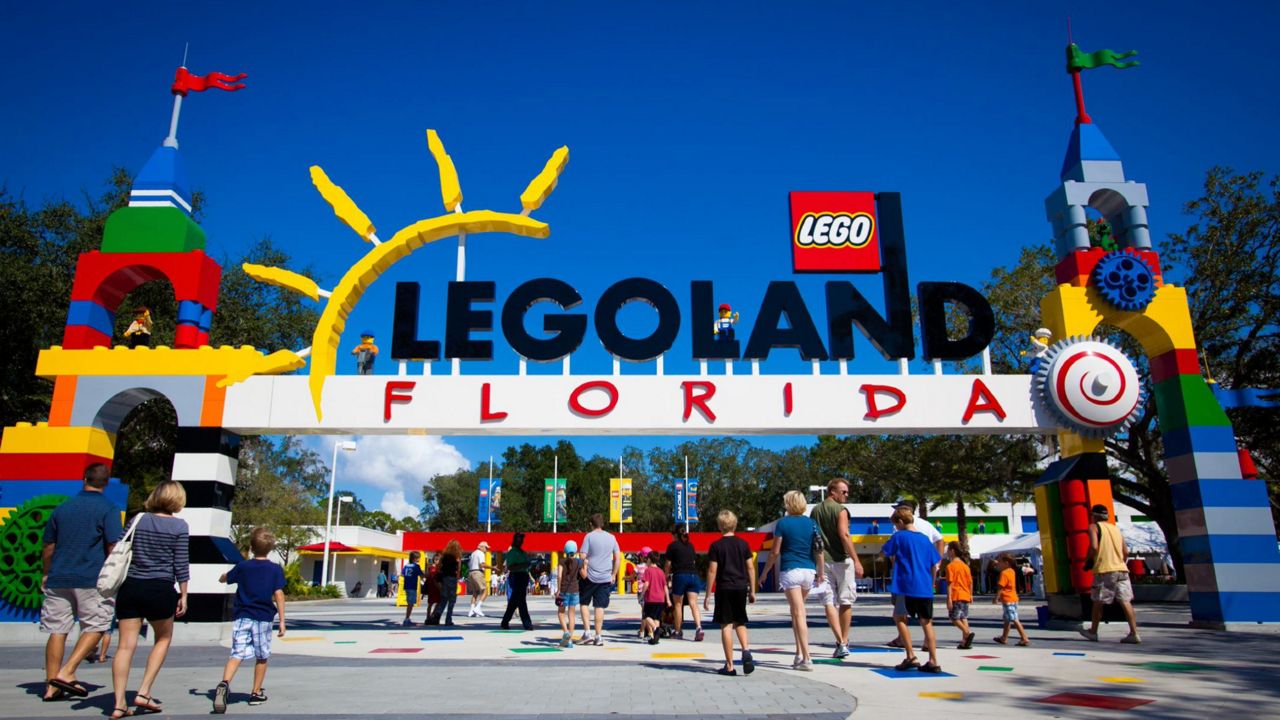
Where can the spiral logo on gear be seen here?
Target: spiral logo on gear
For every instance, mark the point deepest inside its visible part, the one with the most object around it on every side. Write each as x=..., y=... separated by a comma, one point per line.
x=1091, y=385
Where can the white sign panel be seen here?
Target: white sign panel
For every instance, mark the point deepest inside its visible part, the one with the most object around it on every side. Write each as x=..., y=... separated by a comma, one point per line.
x=640, y=405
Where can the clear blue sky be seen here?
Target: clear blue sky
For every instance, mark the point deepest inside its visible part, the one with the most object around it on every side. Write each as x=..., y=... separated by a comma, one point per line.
x=687, y=123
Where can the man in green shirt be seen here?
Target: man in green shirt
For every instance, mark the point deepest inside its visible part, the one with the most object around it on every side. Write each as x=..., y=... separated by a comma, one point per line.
x=843, y=567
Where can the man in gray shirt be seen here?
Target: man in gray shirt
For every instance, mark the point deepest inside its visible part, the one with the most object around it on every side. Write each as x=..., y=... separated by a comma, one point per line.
x=601, y=558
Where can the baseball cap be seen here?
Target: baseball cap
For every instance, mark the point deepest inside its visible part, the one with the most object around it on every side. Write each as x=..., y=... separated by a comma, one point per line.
x=903, y=502
x=646, y=550
x=570, y=547
x=1101, y=510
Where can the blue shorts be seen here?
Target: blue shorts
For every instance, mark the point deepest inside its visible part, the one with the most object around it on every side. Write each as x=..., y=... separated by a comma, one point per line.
x=411, y=599
x=250, y=639
x=684, y=583
x=569, y=600
x=1010, y=612
x=597, y=594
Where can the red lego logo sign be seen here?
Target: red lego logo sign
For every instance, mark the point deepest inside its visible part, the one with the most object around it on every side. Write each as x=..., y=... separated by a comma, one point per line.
x=834, y=232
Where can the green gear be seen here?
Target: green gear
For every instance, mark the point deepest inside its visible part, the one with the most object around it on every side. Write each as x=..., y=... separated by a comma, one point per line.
x=21, y=539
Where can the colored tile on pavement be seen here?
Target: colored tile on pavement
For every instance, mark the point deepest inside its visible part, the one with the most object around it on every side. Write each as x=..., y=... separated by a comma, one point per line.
x=943, y=695
x=344, y=642
x=1122, y=680
x=1070, y=654
x=506, y=632
x=429, y=638
x=535, y=650
x=1102, y=702
x=873, y=650
x=909, y=674
x=396, y=650
x=1173, y=666
x=675, y=656
x=981, y=657
x=300, y=639
x=994, y=668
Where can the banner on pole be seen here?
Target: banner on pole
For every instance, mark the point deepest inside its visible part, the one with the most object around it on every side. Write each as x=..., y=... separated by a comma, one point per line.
x=555, y=502
x=680, y=500
x=691, y=499
x=489, y=508
x=620, y=500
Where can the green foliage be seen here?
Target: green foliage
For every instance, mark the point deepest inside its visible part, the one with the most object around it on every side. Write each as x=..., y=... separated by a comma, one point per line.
x=295, y=588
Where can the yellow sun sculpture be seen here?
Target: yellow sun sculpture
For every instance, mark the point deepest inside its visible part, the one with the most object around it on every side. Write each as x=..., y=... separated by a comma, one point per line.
x=346, y=295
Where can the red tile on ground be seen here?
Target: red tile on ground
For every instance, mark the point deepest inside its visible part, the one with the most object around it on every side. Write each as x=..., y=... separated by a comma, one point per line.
x=981, y=657
x=396, y=650
x=1104, y=702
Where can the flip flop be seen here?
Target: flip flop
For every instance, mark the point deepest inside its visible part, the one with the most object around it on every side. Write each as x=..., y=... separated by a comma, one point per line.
x=146, y=703
x=70, y=688
x=121, y=712
x=58, y=694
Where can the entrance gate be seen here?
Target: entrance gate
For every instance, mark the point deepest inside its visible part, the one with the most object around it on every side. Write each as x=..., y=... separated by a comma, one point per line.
x=1082, y=389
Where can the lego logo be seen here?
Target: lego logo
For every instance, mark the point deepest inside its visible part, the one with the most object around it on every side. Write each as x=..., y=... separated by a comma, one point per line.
x=835, y=229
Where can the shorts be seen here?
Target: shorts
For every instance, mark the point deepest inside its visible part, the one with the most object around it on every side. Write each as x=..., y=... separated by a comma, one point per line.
x=594, y=594
x=731, y=607
x=410, y=598
x=149, y=600
x=844, y=582
x=918, y=607
x=821, y=593
x=569, y=600
x=250, y=639
x=684, y=583
x=1110, y=587
x=653, y=610
x=959, y=610
x=1010, y=612
x=796, y=578
x=63, y=605
x=475, y=582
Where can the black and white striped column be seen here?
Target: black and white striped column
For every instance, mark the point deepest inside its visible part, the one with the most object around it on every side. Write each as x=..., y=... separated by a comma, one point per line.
x=205, y=464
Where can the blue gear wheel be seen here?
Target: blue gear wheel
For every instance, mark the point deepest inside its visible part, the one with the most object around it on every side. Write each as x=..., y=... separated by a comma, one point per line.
x=21, y=539
x=1125, y=280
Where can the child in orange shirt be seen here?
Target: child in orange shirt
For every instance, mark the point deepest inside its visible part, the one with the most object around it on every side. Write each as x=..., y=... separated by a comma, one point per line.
x=1008, y=596
x=959, y=592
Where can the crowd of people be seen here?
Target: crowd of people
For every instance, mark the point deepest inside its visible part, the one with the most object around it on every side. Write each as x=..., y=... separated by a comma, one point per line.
x=812, y=552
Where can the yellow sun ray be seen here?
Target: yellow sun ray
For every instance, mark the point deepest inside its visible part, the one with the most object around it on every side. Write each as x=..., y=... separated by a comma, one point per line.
x=450, y=190
x=343, y=206
x=541, y=186
x=280, y=277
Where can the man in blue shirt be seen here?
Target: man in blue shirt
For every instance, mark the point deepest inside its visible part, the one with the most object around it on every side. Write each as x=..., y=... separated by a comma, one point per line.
x=913, y=558
x=77, y=538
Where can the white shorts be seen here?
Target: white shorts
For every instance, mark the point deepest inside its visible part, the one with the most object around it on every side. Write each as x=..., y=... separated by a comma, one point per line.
x=844, y=582
x=796, y=578
x=821, y=593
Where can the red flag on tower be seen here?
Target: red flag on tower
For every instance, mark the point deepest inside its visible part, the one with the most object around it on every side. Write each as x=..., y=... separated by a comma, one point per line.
x=185, y=82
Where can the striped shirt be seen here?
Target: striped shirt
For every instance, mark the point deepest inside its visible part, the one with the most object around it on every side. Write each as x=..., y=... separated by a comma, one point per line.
x=160, y=550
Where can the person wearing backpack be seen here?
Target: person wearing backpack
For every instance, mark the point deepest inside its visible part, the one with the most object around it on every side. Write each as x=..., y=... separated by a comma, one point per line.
x=77, y=539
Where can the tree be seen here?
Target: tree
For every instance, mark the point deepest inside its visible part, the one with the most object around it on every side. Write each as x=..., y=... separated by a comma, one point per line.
x=275, y=488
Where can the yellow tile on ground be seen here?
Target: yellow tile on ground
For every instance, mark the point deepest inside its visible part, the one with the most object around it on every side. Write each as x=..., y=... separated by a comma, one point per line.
x=943, y=695
x=300, y=639
x=676, y=656
x=1122, y=680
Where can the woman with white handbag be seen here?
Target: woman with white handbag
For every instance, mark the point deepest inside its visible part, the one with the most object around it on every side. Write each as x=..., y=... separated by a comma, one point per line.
x=160, y=560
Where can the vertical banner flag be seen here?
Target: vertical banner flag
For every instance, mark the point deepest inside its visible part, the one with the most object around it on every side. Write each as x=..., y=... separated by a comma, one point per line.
x=488, y=510
x=679, y=500
x=691, y=499
x=620, y=500
x=555, y=500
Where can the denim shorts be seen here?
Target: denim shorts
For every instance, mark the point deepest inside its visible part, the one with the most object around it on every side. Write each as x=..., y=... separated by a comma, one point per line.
x=569, y=600
x=1010, y=612
x=684, y=583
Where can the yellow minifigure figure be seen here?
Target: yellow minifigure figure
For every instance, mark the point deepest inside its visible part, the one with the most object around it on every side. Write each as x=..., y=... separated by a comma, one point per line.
x=139, y=332
x=724, y=324
x=366, y=352
x=1039, y=346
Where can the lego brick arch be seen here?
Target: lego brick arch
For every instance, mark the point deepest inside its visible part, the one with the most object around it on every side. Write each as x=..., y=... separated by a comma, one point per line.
x=105, y=402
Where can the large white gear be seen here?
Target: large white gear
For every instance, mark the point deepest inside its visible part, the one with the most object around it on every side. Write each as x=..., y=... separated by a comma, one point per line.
x=1090, y=385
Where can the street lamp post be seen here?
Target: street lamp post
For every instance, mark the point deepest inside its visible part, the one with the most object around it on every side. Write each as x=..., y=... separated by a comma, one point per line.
x=347, y=446
x=337, y=522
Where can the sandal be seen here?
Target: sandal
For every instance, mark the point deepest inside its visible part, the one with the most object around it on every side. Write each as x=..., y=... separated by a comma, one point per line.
x=1023, y=643
x=1002, y=641
x=70, y=687
x=146, y=703
x=121, y=712
x=58, y=693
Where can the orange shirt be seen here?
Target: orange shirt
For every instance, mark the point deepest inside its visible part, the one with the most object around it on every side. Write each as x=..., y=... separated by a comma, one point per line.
x=1008, y=588
x=959, y=581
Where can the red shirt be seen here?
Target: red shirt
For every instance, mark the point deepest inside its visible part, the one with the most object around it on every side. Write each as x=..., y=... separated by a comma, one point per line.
x=656, y=590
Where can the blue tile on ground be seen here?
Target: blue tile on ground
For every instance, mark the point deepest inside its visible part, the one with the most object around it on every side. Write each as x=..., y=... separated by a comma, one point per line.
x=1070, y=654
x=909, y=674
x=428, y=638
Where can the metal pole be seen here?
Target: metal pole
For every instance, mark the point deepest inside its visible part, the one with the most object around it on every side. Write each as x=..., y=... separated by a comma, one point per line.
x=488, y=516
x=555, y=493
x=337, y=520
x=619, y=494
x=328, y=515
x=172, y=139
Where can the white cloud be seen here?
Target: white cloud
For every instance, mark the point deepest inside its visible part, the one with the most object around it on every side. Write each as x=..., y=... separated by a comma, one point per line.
x=394, y=504
x=398, y=465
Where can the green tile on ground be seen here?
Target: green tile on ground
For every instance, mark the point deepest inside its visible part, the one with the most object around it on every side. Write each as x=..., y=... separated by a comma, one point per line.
x=995, y=668
x=1174, y=667
x=535, y=650
x=507, y=632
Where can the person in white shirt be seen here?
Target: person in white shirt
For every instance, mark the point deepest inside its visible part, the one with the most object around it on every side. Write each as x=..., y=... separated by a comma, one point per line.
x=476, y=586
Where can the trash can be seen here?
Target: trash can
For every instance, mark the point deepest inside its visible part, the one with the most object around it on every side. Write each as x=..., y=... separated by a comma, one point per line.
x=1042, y=616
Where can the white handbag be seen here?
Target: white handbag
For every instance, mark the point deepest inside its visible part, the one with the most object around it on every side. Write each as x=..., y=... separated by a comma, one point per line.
x=116, y=566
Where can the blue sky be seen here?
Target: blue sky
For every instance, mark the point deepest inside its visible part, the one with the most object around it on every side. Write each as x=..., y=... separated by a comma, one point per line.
x=687, y=125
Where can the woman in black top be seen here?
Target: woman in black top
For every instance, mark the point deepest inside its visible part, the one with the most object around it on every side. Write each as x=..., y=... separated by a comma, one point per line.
x=517, y=561
x=450, y=560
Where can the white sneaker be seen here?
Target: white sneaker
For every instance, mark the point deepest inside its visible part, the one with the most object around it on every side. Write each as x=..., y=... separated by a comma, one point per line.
x=805, y=666
x=841, y=652
x=1089, y=635
x=1132, y=639
x=471, y=612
